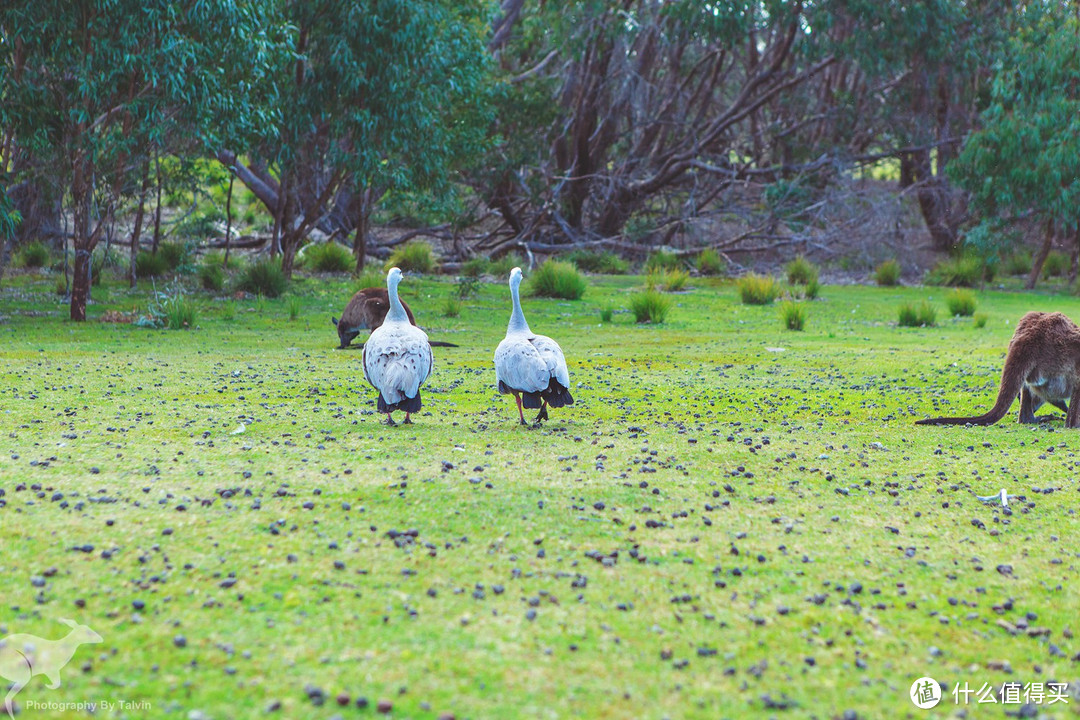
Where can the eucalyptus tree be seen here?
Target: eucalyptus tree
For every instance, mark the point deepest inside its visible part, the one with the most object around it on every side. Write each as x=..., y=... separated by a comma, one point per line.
x=376, y=96
x=1023, y=164
x=90, y=87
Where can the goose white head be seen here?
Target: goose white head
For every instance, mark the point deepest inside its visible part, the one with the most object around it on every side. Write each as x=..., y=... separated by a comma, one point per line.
x=517, y=318
x=397, y=310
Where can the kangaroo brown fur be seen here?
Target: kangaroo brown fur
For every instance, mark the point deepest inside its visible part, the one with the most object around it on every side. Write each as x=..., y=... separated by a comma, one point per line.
x=367, y=309
x=1042, y=365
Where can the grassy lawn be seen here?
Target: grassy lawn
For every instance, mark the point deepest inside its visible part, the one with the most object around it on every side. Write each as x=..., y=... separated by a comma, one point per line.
x=732, y=521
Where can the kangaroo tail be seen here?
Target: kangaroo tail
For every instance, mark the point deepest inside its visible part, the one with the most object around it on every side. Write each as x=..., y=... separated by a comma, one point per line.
x=440, y=343
x=1012, y=381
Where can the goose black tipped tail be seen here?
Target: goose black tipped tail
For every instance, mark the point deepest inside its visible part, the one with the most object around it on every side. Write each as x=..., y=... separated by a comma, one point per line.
x=557, y=395
x=408, y=405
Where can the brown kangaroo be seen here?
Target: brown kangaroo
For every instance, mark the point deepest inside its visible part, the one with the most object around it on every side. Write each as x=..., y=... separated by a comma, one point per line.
x=1042, y=365
x=367, y=309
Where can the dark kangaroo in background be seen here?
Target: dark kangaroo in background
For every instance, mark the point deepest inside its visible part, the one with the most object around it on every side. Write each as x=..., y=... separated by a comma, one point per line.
x=367, y=309
x=1042, y=365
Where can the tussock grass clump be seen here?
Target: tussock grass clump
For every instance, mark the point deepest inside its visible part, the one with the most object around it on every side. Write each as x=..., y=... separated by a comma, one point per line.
x=961, y=302
x=179, y=313
x=175, y=255
x=502, y=267
x=451, y=306
x=1017, y=263
x=980, y=319
x=650, y=306
x=801, y=271
x=661, y=260
x=33, y=255
x=265, y=278
x=557, y=280
x=922, y=316
x=370, y=278
x=793, y=314
x=962, y=271
x=668, y=281
x=710, y=262
x=887, y=274
x=293, y=306
x=217, y=257
x=475, y=267
x=1056, y=264
x=329, y=257
x=757, y=289
x=417, y=257
x=602, y=263
x=148, y=264
x=211, y=276
x=606, y=314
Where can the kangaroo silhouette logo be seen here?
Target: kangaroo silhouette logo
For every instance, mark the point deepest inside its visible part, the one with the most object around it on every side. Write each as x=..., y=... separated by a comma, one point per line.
x=23, y=656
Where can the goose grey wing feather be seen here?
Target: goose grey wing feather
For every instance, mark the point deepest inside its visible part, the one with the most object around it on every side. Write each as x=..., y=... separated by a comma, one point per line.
x=519, y=365
x=553, y=358
x=397, y=360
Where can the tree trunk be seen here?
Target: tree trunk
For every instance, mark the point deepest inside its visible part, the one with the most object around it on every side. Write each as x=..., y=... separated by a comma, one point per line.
x=1040, y=258
x=136, y=232
x=157, y=208
x=228, y=220
x=80, y=281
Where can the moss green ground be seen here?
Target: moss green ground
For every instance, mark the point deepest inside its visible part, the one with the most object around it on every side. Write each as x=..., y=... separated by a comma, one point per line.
x=780, y=539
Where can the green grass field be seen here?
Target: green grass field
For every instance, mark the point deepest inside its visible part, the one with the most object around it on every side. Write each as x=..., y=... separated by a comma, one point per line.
x=732, y=521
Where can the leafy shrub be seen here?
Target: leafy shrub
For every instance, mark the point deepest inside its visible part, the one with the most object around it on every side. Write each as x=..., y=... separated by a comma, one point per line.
x=475, y=267
x=175, y=255
x=960, y=302
x=964, y=271
x=922, y=316
x=793, y=314
x=203, y=223
x=710, y=262
x=801, y=271
x=148, y=264
x=503, y=266
x=293, y=307
x=558, y=280
x=34, y=255
x=980, y=319
x=1017, y=263
x=605, y=263
x=758, y=289
x=211, y=276
x=1056, y=264
x=662, y=260
x=650, y=306
x=329, y=257
x=887, y=273
x=264, y=277
x=415, y=257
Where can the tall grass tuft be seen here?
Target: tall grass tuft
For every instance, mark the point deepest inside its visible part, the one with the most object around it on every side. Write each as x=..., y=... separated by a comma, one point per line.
x=33, y=255
x=328, y=257
x=175, y=255
x=603, y=263
x=370, y=278
x=960, y=302
x=211, y=276
x=710, y=262
x=793, y=314
x=451, y=306
x=887, y=274
x=980, y=319
x=417, y=257
x=1056, y=264
x=558, y=280
x=963, y=271
x=265, y=278
x=148, y=264
x=801, y=271
x=475, y=267
x=1017, y=263
x=922, y=316
x=668, y=280
x=757, y=289
x=650, y=306
x=606, y=314
x=293, y=306
x=501, y=268
x=662, y=260
x=180, y=313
